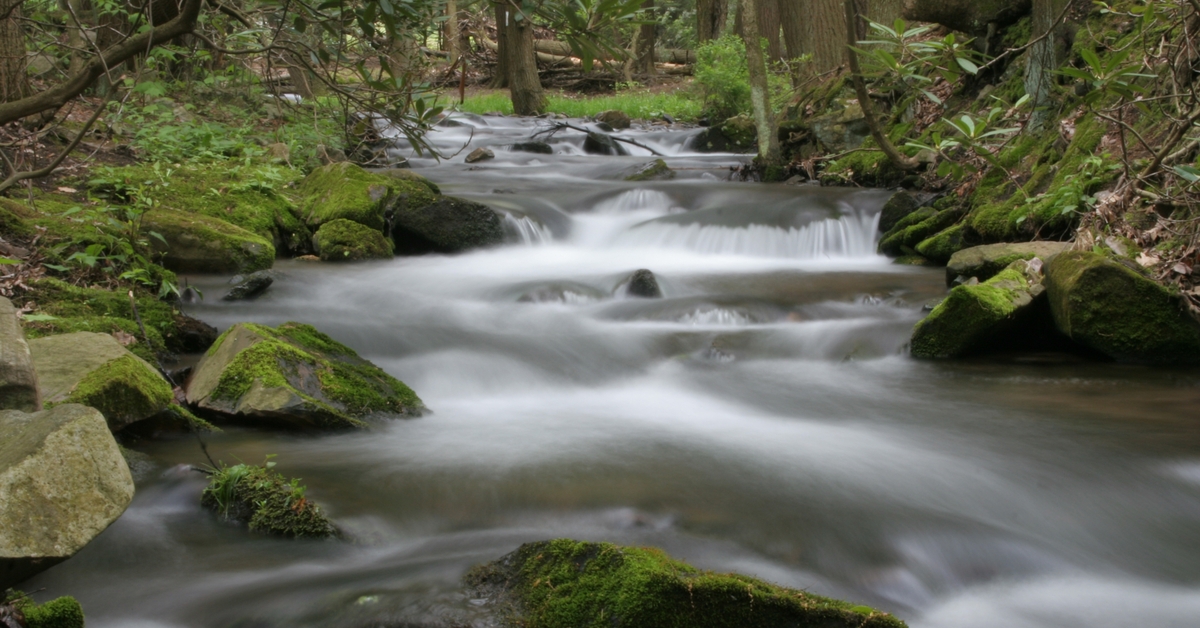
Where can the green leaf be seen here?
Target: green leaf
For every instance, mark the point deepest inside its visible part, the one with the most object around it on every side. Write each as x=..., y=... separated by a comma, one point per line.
x=966, y=64
x=61, y=269
x=1190, y=174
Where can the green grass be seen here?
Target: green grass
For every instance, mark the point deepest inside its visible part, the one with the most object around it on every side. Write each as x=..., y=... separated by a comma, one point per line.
x=680, y=105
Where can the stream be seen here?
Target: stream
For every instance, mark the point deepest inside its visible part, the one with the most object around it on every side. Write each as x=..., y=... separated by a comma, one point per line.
x=763, y=417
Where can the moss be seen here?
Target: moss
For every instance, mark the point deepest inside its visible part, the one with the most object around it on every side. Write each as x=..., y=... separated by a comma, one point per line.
x=344, y=190
x=1105, y=304
x=915, y=227
x=266, y=501
x=346, y=240
x=62, y=612
x=565, y=583
x=199, y=244
x=740, y=131
x=940, y=246
x=124, y=390
x=65, y=301
x=13, y=219
x=103, y=325
x=408, y=175
x=973, y=316
x=654, y=170
x=253, y=197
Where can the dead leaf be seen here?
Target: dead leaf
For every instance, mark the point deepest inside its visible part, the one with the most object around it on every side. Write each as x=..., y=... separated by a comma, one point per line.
x=66, y=190
x=1147, y=260
x=1182, y=269
x=124, y=338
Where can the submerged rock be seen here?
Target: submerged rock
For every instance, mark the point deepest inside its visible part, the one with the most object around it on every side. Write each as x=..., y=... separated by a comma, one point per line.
x=479, y=154
x=614, y=118
x=977, y=317
x=18, y=379
x=448, y=225
x=566, y=584
x=643, y=284
x=62, y=482
x=250, y=287
x=1103, y=304
x=294, y=376
x=95, y=370
x=601, y=144
x=344, y=190
x=983, y=262
x=533, y=147
x=656, y=170
x=195, y=243
x=344, y=240
x=265, y=501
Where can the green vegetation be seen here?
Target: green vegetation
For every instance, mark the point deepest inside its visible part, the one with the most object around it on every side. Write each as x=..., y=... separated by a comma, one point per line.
x=344, y=190
x=265, y=500
x=124, y=390
x=638, y=104
x=724, y=80
x=346, y=240
x=62, y=612
x=973, y=316
x=70, y=303
x=565, y=583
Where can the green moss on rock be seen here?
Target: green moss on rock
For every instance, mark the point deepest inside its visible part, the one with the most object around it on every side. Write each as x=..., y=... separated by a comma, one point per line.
x=195, y=243
x=344, y=190
x=266, y=501
x=973, y=318
x=346, y=240
x=943, y=244
x=124, y=390
x=1108, y=306
x=573, y=584
x=102, y=325
x=62, y=612
x=916, y=227
x=656, y=170
x=294, y=376
x=983, y=262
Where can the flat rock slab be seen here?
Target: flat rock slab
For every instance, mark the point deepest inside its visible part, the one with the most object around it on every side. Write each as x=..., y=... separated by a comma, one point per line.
x=984, y=262
x=18, y=379
x=62, y=482
x=95, y=370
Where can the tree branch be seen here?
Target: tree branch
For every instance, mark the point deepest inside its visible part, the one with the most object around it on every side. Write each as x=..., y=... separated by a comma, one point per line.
x=17, y=177
x=898, y=159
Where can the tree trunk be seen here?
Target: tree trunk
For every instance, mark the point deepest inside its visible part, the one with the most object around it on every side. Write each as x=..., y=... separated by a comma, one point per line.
x=826, y=33
x=450, y=30
x=768, y=26
x=14, y=83
x=645, y=41
x=884, y=11
x=760, y=98
x=852, y=18
x=710, y=18
x=500, y=77
x=1044, y=58
x=791, y=18
x=528, y=99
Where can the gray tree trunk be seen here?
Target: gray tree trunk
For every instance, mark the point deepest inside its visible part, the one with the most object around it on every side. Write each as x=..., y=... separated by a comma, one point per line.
x=645, y=42
x=1044, y=59
x=710, y=18
x=524, y=85
x=760, y=97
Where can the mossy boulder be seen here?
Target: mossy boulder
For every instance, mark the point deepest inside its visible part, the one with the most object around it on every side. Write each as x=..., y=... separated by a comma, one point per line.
x=62, y=482
x=897, y=208
x=405, y=174
x=194, y=243
x=265, y=501
x=735, y=135
x=294, y=376
x=841, y=130
x=18, y=379
x=975, y=318
x=983, y=262
x=614, y=118
x=1111, y=307
x=345, y=240
x=95, y=370
x=656, y=170
x=911, y=230
x=941, y=246
x=448, y=225
x=62, y=612
x=77, y=308
x=254, y=197
x=573, y=584
x=111, y=325
x=344, y=190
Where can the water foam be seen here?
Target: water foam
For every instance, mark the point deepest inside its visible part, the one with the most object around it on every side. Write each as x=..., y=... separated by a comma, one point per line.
x=637, y=200
x=852, y=235
x=527, y=230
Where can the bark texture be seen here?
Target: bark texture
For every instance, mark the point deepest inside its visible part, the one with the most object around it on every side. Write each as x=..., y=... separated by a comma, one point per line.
x=764, y=119
x=523, y=83
x=500, y=77
x=826, y=33
x=645, y=41
x=1044, y=58
x=14, y=83
x=792, y=21
x=710, y=18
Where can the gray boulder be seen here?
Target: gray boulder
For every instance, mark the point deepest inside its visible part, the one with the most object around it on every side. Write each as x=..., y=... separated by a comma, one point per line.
x=643, y=284
x=18, y=379
x=983, y=262
x=448, y=225
x=479, y=154
x=601, y=144
x=656, y=170
x=62, y=482
x=533, y=147
x=249, y=287
x=95, y=370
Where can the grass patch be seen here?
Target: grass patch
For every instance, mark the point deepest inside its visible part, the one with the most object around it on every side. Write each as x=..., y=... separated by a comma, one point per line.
x=679, y=104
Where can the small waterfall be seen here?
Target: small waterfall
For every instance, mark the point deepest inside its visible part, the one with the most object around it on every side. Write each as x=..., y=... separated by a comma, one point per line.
x=715, y=316
x=526, y=230
x=851, y=235
x=637, y=200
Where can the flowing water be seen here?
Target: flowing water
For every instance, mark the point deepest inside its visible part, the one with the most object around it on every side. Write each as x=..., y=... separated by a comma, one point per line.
x=762, y=418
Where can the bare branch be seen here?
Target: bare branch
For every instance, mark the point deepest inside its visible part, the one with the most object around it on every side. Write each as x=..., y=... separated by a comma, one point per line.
x=17, y=177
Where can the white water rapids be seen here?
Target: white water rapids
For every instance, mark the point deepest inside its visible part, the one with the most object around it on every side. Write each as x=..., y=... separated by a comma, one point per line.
x=761, y=417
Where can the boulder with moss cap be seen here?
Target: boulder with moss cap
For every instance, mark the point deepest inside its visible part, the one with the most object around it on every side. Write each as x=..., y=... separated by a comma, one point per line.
x=296, y=377
x=18, y=379
x=1108, y=305
x=95, y=370
x=344, y=190
x=574, y=584
x=983, y=262
x=195, y=243
x=62, y=482
x=344, y=240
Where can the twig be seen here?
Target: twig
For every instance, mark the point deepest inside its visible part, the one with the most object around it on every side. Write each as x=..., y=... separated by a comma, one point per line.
x=558, y=126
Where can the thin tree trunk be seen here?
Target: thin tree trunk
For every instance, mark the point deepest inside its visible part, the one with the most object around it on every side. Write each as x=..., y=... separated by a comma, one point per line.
x=450, y=30
x=645, y=41
x=500, y=78
x=850, y=25
x=14, y=83
x=760, y=98
x=1043, y=61
x=710, y=18
x=768, y=26
x=525, y=87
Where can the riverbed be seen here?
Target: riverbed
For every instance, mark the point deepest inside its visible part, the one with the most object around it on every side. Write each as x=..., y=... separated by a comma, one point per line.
x=762, y=417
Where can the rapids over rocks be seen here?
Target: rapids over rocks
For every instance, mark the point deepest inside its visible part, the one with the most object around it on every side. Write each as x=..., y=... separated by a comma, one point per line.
x=761, y=417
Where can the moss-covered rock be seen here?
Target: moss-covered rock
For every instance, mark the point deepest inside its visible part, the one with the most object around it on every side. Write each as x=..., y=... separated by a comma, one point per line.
x=656, y=170
x=344, y=190
x=941, y=246
x=95, y=370
x=449, y=225
x=346, y=240
x=102, y=325
x=983, y=262
x=62, y=482
x=62, y=612
x=1108, y=306
x=179, y=333
x=295, y=377
x=253, y=197
x=573, y=584
x=735, y=135
x=195, y=243
x=975, y=318
x=602, y=144
x=405, y=174
x=897, y=208
x=265, y=501
x=916, y=227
